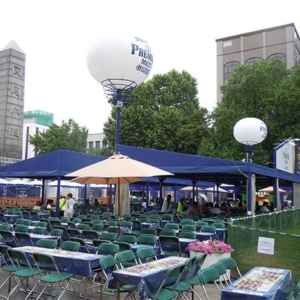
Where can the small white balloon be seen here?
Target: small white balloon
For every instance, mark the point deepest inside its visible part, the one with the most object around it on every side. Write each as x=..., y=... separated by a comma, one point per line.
x=250, y=131
x=120, y=58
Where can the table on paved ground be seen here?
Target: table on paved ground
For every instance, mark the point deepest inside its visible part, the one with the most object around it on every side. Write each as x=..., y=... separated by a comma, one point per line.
x=76, y=263
x=147, y=277
x=260, y=283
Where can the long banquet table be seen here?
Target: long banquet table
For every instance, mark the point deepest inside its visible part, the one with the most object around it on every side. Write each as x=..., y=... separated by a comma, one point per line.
x=147, y=277
x=260, y=283
x=76, y=263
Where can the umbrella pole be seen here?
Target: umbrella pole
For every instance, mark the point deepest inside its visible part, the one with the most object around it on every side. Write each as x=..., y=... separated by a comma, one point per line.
x=119, y=206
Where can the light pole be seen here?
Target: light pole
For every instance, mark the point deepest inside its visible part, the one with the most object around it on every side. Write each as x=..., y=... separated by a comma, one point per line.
x=250, y=132
x=119, y=64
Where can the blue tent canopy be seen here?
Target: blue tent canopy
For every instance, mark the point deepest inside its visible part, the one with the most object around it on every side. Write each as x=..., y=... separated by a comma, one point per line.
x=50, y=165
x=203, y=168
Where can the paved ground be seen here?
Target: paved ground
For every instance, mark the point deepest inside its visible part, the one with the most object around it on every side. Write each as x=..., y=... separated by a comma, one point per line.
x=93, y=293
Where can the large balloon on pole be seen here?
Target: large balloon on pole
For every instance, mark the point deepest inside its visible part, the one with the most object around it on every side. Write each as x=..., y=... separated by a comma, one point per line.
x=120, y=58
x=250, y=131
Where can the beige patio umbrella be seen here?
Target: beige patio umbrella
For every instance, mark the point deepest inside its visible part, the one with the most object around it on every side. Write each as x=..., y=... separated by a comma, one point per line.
x=116, y=169
x=270, y=189
x=189, y=188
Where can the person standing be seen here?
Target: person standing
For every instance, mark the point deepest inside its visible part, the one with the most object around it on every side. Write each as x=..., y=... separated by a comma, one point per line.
x=62, y=205
x=70, y=206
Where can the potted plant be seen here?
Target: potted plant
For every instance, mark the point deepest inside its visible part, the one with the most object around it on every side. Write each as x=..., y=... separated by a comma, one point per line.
x=215, y=250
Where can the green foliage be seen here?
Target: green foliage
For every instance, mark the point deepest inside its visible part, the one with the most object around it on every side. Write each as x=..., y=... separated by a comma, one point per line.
x=267, y=91
x=68, y=136
x=163, y=114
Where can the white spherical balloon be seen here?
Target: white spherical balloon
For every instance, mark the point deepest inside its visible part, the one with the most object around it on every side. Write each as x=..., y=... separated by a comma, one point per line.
x=120, y=58
x=250, y=131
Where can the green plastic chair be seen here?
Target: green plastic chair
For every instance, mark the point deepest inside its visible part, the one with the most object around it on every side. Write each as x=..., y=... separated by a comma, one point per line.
x=62, y=279
x=208, y=228
x=123, y=245
x=7, y=267
x=57, y=232
x=97, y=227
x=146, y=254
x=294, y=294
x=108, y=236
x=41, y=224
x=168, y=232
x=108, y=248
x=183, y=286
x=230, y=264
x=82, y=227
x=187, y=221
x=89, y=234
x=218, y=225
x=96, y=221
x=162, y=293
x=24, y=270
x=148, y=231
x=174, y=226
x=187, y=235
x=170, y=245
x=82, y=243
x=130, y=239
x=206, y=276
x=108, y=265
x=70, y=246
x=222, y=271
x=21, y=228
x=147, y=239
x=39, y=230
x=189, y=227
x=126, y=259
x=47, y=243
x=27, y=222
x=199, y=224
x=23, y=239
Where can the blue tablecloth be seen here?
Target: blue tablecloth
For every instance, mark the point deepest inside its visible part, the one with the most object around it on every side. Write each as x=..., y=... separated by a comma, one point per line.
x=147, y=277
x=76, y=263
x=11, y=219
x=203, y=236
x=260, y=283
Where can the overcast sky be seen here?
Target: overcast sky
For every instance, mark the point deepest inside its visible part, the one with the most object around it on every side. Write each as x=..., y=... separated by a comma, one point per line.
x=56, y=35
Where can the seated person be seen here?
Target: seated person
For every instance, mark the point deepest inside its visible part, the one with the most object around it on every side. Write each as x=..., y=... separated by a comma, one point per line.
x=225, y=210
x=216, y=209
x=264, y=207
x=37, y=205
x=196, y=209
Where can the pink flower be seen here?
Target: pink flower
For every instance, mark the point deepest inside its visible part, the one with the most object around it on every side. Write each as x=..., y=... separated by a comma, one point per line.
x=210, y=246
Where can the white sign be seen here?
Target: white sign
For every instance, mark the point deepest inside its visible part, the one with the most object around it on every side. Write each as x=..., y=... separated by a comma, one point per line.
x=265, y=245
x=285, y=158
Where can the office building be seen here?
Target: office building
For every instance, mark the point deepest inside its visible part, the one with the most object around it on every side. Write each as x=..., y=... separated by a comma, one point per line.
x=281, y=42
x=96, y=141
x=35, y=122
x=12, y=82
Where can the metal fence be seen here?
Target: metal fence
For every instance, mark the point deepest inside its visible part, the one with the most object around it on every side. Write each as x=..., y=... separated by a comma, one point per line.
x=243, y=235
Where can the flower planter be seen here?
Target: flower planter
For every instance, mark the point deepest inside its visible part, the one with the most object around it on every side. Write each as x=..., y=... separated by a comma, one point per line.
x=211, y=259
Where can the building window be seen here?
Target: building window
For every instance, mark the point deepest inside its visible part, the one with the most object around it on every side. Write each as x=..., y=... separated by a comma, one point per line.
x=91, y=145
x=280, y=56
x=252, y=60
x=97, y=144
x=228, y=69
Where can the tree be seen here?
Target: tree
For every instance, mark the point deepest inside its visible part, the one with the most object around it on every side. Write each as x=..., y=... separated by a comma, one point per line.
x=163, y=114
x=68, y=136
x=255, y=90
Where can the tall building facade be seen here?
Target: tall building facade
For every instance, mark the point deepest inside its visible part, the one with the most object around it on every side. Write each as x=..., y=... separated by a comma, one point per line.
x=12, y=82
x=96, y=141
x=281, y=42
x=34, y=122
